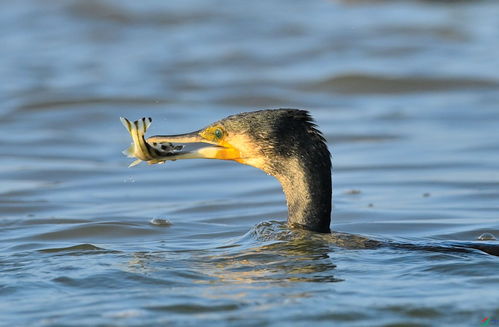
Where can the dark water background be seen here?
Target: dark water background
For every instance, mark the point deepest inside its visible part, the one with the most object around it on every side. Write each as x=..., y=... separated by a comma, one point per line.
x=407, y=93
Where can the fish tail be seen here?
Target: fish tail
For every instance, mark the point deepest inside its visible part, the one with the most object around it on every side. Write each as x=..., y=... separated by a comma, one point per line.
x=129, y=127
x=129, y=151
x=126, y=123
x=139, y=148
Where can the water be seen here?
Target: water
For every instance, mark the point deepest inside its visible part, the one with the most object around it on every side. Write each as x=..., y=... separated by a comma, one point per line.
x=406, y=93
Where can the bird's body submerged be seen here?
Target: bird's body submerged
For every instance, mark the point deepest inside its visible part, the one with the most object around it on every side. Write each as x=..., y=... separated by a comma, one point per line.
x=284, y=143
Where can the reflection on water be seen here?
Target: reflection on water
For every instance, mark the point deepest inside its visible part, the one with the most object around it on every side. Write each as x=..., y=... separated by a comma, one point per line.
x=293, y=258
x=405, y=91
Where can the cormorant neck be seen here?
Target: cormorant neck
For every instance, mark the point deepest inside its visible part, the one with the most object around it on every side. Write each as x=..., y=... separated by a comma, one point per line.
x=286, y=144
x=308, y=189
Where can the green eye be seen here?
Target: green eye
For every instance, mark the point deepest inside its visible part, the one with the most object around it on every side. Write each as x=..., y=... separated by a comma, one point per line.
x=218, y=133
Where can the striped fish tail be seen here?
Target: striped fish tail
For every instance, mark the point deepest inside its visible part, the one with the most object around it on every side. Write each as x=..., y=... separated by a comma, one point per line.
x=139, y=148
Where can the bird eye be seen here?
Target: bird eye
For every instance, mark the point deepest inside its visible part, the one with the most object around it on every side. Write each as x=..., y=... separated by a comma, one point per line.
x=218, y=133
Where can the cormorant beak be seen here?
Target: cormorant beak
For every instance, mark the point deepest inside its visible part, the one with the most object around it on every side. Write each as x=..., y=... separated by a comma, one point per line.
x=218, y=150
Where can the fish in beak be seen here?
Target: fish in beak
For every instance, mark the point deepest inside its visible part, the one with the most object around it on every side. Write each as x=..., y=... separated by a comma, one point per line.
x=160, y=148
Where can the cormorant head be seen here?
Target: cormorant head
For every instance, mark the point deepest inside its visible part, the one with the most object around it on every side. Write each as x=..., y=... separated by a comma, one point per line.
x=283, y=143
x=264, y=139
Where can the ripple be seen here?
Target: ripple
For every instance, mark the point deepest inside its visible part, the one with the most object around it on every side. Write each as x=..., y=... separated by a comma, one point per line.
x=125, y=14
x=124, y=314
x=372, y=84
x=80, y=249
x=98, y=231
x=65, y=102
x=194, y=308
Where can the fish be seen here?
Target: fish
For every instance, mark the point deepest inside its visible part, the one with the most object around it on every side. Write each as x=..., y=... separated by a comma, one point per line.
x=141, y=150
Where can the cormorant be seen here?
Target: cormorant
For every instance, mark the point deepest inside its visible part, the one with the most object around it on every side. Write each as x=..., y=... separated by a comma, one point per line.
x=284, y=143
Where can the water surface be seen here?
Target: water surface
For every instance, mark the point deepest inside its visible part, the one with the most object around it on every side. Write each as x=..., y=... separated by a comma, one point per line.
x=406, y=93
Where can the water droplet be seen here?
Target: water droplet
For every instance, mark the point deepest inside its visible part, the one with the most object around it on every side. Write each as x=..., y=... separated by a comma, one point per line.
x=160, y=222
x=487, y=237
